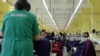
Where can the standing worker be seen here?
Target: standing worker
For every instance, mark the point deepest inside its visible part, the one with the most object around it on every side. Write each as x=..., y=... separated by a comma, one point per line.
x=19, y=29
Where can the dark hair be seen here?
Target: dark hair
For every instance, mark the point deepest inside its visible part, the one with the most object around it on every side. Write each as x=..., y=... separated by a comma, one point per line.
x=86, y=34
x=61, y=33
x=22, y=4
x=52, y=34
x=43, y=30
x=94, y=31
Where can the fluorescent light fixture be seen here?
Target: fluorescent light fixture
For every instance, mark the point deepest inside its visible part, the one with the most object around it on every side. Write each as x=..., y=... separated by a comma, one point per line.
x=5, y=0
x=45, y=5
x=57, y=28
x=80, y=2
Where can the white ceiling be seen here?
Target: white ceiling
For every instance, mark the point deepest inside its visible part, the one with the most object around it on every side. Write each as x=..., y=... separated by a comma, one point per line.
x=61, y=11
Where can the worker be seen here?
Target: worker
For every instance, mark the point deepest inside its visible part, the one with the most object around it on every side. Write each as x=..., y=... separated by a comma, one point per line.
x=19, y=28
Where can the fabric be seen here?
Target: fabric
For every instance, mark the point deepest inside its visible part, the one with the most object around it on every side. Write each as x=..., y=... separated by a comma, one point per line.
x=58, y=51
x=78, y=52
x=71, y=44
x=42, y=47
x=88, y=49
x=19, y=28
x=57, y=48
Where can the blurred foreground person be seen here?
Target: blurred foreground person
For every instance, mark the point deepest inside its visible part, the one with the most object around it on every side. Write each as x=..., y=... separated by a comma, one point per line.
x=19, y=29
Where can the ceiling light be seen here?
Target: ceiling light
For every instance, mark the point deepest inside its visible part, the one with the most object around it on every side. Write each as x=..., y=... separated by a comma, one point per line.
x=57, y=28
x=5, y=0
x=80, y=2
x=45, y=5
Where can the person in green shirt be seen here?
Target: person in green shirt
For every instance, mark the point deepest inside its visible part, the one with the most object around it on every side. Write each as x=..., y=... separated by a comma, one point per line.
x=19, y=29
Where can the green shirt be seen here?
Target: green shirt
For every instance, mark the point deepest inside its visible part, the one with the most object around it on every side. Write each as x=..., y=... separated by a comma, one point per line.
x=19, y=28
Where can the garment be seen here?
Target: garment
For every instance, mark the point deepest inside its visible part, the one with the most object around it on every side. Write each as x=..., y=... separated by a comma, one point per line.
x=57, y=48
x=19, y=28
x=58, y=51
x=78, y=52
x=48, y=37
x=88, y=49
x=69, y=45
x=42, y=47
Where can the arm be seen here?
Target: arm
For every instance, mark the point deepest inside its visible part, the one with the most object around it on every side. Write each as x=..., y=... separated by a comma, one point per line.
x=36, y=38
x=36, y=30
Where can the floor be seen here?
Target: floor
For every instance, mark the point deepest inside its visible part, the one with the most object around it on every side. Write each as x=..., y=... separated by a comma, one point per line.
x=65, y=53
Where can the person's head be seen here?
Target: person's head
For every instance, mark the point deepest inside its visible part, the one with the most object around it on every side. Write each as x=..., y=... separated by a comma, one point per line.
x=86, y=34
x=43, y=32
x=22, y=4
x=94, y=31
x=61, y=34
x=52, y=34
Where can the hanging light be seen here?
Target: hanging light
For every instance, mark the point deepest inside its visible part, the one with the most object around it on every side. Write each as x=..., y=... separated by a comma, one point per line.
x=4, y=0
x=46, y=7
x=80, y=2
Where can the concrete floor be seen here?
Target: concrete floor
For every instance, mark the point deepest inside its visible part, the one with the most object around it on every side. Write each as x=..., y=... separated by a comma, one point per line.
x=65, y=53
